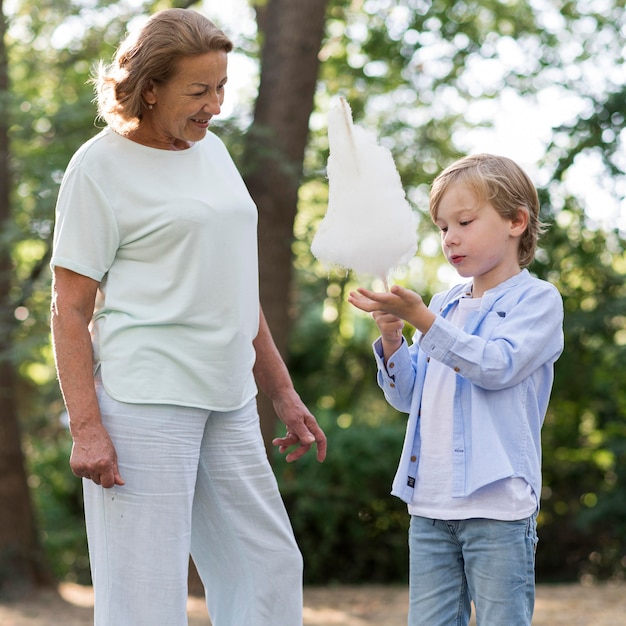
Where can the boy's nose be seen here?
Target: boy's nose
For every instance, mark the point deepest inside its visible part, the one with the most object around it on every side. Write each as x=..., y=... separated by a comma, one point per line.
x=449, y=238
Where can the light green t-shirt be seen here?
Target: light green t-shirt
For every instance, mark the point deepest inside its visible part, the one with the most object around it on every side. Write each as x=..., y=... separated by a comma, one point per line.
x=171, y=236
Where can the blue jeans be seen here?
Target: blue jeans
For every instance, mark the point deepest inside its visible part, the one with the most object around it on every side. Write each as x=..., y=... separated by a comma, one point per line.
x=488, y=561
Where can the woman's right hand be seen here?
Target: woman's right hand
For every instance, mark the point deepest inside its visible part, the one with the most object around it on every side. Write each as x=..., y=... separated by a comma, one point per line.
x=94, y=457
x=73, y=300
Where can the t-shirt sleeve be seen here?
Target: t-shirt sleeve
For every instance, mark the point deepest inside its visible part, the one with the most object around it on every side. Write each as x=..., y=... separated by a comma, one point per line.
x=86, y=236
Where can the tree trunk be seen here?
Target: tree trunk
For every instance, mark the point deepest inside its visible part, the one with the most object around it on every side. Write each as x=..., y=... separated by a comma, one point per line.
x=21, y=565
x=292, y=32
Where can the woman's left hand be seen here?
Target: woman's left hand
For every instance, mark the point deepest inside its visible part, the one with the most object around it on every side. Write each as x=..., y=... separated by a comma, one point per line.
x=302, y=429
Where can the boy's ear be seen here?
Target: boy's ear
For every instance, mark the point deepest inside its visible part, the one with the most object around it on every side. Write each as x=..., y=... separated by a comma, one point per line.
x=519, y=223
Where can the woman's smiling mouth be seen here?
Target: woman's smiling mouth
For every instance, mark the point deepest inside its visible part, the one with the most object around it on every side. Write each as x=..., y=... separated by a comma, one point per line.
x=200, y=122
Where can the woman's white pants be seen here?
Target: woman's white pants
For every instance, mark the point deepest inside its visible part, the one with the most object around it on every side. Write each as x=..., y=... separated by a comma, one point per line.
x=196, y=482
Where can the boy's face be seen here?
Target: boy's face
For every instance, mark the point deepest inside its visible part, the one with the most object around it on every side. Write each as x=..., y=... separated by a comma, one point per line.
x=476, y=239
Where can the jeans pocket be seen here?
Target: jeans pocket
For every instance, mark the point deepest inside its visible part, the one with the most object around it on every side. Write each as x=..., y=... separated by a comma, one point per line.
x=531, y=530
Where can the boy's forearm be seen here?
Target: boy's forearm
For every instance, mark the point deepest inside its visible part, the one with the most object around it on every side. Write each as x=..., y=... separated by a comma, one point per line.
x=422, y=318
x=390, y=347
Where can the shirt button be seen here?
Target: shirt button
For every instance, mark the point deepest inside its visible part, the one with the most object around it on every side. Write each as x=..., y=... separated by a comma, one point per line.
x=392, y=385
x=390, y=365
x=457, y=369
x=413, y=459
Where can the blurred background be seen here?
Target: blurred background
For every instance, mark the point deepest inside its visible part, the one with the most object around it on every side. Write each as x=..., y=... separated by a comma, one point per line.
x=542, y=82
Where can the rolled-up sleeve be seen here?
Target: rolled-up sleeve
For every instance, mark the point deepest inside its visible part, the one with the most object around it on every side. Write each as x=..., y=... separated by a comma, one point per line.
x=397, y=377
x=86, y=236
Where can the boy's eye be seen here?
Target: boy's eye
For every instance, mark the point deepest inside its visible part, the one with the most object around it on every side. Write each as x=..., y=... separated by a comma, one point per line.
x=465, y=222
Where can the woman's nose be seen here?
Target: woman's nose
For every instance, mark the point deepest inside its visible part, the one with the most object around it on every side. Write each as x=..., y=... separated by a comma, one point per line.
x=214, y=104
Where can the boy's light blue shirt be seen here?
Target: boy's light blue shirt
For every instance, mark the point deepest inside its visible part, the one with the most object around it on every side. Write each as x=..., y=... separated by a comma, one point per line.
x=504, y=358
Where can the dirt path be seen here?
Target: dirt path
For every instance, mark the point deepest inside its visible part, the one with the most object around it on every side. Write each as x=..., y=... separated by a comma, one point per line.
x=557, y=605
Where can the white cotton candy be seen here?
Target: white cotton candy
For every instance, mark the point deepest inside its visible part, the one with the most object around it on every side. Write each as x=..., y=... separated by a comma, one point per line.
x=369, y=225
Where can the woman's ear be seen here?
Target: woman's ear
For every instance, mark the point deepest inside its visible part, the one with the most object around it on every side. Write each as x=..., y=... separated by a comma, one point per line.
x=148, y=93
x=519, y=223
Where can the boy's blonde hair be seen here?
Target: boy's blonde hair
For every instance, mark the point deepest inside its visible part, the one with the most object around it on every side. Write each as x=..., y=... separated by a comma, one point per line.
x=152, y=54
x=501, y=182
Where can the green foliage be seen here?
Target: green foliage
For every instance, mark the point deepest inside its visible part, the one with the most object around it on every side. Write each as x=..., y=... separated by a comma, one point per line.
x=51, y=49
x=51, y=52
x=410, y=70
x=584, y=516
x=585, y=430
x=57, y=495
x=348, y=527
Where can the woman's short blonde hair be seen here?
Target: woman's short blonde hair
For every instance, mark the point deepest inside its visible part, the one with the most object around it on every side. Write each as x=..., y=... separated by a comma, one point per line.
x=151, y=54
x=501, y=182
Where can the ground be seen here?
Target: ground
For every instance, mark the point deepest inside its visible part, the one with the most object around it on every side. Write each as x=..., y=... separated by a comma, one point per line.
x=557, y=605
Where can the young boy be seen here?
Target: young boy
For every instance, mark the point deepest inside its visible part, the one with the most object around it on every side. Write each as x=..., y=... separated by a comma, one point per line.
x=475, y=382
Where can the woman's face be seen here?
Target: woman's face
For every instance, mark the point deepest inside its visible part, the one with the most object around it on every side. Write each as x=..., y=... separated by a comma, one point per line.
x=183, y=107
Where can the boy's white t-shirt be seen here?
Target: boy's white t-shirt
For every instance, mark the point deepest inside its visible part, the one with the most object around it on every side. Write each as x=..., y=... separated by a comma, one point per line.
x=509, y=499
x=171, y=237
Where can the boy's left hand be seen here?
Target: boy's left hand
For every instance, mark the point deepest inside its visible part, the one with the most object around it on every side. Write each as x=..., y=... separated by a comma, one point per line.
x=398, y=301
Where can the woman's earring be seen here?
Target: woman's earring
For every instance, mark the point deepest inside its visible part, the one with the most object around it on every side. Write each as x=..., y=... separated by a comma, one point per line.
x=150, y=107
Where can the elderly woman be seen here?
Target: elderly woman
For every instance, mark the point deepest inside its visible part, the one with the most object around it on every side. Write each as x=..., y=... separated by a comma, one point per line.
x=160, y=341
